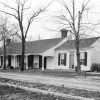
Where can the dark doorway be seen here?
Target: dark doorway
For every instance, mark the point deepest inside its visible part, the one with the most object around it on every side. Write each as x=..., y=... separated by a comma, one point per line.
x=9, y=60
x=40, y=61
x=45, y=62
x=1, y=60
x=30, y=61
x=19, y=60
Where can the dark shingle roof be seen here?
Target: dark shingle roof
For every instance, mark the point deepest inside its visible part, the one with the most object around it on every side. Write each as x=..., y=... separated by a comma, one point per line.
x=39, y=46
x=84, y=43
x=33, y=47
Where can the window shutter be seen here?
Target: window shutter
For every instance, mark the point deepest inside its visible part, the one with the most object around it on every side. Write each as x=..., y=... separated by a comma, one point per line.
x=58, y=59
x=65, y=59
x=85, y=58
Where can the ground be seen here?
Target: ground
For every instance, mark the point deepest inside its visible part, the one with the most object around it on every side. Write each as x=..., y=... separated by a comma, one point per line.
x=57, y=73
x=57, y=78
x=11, y=93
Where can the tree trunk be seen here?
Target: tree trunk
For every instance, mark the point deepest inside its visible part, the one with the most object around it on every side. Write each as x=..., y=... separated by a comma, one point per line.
x=23, y=52
x=78, y=56
x=4, y=54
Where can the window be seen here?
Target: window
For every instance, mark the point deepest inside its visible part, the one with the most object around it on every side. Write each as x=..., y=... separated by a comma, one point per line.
x=83, y=58
x=62, y=59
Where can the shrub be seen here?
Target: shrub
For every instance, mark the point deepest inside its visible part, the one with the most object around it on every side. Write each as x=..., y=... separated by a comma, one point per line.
x=95, y=67
x=11, y=67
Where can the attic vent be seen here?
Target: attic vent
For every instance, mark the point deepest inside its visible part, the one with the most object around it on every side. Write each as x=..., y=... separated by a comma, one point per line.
x=64, y=33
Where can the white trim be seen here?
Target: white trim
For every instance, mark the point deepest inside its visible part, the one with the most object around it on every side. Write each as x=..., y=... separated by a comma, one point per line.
x=67, y=62
x=26, y=58
x=14, y=60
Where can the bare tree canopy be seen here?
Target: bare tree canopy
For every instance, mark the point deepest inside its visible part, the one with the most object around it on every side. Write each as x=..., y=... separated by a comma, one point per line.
x=24, y=16
x=6, y=32
x=74, y=18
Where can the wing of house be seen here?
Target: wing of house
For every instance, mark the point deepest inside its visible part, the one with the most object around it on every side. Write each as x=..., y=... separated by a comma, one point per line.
x=58, y=53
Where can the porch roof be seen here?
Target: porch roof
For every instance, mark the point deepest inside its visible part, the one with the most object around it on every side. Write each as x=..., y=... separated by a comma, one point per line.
x=84, y=43
x=32, y=47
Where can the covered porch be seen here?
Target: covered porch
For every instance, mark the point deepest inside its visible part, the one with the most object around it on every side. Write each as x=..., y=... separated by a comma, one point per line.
x=30, y=61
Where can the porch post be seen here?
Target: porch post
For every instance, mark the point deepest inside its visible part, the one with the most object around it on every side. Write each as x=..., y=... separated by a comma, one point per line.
x=75, y=60
x=0, y=60
x=68, y=54
x=26, y=61
x=42, y=63
x=89, y=59
x=14, y=61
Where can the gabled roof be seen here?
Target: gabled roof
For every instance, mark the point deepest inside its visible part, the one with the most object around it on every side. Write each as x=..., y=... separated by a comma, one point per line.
x=84, y=43
x=40, y=46
x=33, y=47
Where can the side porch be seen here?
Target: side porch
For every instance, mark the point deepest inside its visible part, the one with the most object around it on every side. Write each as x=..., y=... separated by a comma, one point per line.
x=30, y=61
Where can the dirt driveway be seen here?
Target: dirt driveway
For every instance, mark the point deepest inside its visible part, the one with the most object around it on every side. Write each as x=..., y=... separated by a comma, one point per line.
x=84, y=83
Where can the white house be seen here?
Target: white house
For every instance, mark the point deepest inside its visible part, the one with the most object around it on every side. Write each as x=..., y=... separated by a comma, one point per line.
x=57, y=53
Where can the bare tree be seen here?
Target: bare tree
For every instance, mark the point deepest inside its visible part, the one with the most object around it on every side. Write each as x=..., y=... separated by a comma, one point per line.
x=18, y=12
x=5, y=33
x=72, y=19
x=3, y=38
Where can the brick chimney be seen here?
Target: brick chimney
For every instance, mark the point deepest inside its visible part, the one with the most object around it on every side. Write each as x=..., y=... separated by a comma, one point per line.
x=8, y=41
x=64, y=33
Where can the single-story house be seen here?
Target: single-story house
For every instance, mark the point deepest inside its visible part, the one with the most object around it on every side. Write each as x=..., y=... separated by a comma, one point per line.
x=57, y=53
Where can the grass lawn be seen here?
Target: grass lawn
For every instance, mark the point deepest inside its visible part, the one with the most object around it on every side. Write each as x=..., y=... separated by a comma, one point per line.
x=57, y=73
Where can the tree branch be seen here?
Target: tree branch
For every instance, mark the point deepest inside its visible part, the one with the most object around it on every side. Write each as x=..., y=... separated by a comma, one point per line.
x=9, y=14
x=31, y=19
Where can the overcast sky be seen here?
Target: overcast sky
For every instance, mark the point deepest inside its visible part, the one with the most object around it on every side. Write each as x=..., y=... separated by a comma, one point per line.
x=44, y=28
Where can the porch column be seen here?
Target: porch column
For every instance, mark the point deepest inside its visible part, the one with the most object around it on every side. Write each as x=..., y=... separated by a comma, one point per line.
x=75, y=59
x=89, y=59
x=26, y=61
x=42, y=63
x=0, y=60
x=14, y=61
x=68, y=54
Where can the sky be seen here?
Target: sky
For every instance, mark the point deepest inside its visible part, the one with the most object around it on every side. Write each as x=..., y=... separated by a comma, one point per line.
x=45, y=27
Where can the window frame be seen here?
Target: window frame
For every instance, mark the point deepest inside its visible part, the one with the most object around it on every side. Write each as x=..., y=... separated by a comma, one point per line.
x=83, y=61
x=62, y=59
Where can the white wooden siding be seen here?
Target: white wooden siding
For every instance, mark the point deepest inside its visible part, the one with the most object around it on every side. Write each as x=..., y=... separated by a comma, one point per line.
x=50, y=63
x=96, y=52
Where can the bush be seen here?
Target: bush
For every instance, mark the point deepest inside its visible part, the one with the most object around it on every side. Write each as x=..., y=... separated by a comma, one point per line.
x=11, y=67
x=76, y=68
x=95, y=67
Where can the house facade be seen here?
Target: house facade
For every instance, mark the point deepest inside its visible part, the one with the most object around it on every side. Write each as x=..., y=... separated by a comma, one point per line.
x=58, y=53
